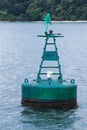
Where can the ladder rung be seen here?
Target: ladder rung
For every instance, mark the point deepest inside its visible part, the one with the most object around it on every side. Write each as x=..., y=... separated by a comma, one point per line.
x=50, y=67
x=52, y=73
x=50, y=43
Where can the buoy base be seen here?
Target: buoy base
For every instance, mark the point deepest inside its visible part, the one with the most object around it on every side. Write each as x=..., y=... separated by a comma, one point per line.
x=50, y=104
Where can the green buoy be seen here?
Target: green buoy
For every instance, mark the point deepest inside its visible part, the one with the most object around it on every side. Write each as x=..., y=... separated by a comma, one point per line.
x=49, y=89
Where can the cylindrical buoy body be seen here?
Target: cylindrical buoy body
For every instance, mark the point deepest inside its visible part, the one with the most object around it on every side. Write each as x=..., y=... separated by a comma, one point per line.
x=49, y=93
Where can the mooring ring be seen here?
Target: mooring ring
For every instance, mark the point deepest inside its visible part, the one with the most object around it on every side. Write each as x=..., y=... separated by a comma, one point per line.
x=72, y=81
x=25, y=80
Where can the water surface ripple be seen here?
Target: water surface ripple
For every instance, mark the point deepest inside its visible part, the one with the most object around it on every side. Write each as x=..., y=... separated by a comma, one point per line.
x=20, y=55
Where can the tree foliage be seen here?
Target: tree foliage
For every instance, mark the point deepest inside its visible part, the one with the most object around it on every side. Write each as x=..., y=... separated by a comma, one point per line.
x=33, y=10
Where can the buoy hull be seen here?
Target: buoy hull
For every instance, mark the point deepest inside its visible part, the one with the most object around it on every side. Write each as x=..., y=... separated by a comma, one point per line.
x=50, y=104
x=53, y=94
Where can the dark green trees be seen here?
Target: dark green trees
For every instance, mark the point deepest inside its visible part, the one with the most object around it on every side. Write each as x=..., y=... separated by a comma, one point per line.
x=33, y=10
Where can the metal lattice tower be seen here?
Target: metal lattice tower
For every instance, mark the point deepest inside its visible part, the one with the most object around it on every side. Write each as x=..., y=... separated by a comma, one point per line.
x=50, y=55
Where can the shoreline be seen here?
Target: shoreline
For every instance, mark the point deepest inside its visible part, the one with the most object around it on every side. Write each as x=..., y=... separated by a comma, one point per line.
x=78, y=21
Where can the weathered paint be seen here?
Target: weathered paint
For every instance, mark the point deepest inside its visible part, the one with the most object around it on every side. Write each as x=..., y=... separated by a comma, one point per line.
x=49, y=91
